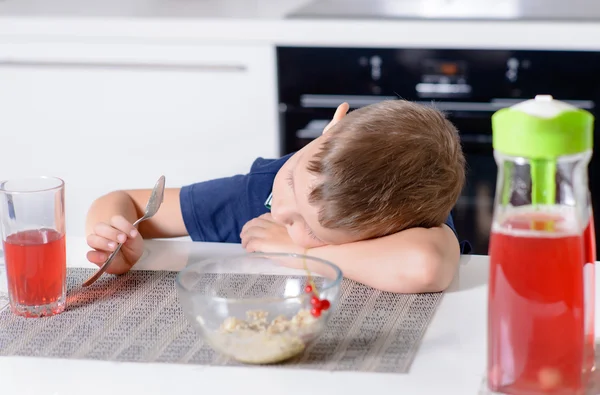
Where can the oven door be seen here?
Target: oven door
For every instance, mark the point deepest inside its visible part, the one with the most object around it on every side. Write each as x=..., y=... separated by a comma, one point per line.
x=300, y=126
x=473, y=211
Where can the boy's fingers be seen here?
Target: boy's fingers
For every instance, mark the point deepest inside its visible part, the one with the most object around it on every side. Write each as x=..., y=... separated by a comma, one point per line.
x=101, y=243
x=110, y=233
x=246, y=226
x=255, y=223
x=97, y=257
x=340, y=112
x=266, y=219
x=118, y=266
x=123, y=225
x=252, y=233
x=250, y=243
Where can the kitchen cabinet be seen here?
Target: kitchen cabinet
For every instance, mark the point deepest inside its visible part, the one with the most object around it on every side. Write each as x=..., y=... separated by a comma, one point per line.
x=111, y=116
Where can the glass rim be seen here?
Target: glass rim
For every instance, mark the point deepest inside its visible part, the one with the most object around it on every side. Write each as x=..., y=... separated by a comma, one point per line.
x=60, y=185
x=334, y=282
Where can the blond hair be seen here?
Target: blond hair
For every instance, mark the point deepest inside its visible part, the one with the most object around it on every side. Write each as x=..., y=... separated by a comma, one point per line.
x=388, y=167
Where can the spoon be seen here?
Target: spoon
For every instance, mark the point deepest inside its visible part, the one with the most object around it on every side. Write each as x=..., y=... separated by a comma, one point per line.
x=156, y=199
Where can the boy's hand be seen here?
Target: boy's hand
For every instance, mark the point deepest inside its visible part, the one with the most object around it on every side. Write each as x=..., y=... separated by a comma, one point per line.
x=264, y=235
x=104, y=241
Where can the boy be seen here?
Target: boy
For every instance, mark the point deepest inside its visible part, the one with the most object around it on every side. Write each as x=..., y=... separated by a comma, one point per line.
x=373, y=195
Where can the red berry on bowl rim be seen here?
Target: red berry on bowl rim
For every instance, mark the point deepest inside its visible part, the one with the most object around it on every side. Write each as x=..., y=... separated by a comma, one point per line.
x=315, y=302
x=318, y=305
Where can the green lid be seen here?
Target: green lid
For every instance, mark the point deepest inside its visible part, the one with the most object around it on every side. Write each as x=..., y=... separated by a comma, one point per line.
x=542, y=128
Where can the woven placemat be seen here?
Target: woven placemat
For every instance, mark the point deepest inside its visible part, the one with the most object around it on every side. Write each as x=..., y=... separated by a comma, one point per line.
x=136, y=318
x=3, y=300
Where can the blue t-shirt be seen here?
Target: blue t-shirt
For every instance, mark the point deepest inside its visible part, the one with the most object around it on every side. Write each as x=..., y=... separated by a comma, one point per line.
x=216, y=210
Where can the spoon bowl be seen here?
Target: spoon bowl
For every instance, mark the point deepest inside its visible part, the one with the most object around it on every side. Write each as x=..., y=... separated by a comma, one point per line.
x=156, y=199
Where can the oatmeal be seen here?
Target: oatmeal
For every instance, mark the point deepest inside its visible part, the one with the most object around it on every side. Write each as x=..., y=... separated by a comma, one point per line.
x=255, y=340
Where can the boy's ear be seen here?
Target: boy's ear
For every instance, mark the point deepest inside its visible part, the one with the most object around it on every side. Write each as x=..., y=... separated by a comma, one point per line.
x=340, y=112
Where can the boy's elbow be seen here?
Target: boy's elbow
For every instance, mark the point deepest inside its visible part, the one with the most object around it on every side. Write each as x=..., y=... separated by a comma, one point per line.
x=433, y=269
x=439, y=259
x=437, y=270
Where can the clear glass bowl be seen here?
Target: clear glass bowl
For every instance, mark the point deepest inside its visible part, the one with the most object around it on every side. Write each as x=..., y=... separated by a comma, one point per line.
x=254, y=307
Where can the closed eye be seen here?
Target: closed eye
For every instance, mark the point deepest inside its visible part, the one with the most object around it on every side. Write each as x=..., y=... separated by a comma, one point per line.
x=312, y=234
x=290, y=179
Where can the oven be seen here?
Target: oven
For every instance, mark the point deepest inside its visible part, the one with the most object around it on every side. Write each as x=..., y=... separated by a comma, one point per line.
x=468, y=85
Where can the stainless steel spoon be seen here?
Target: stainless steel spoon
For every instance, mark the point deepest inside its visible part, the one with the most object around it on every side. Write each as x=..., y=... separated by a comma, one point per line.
x=156, y=199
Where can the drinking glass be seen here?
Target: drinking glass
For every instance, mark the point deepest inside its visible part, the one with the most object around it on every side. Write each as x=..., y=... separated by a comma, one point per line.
x=32, y=219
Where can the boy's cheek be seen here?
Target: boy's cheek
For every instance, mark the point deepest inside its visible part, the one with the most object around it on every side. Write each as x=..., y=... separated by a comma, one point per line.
x=296, y=238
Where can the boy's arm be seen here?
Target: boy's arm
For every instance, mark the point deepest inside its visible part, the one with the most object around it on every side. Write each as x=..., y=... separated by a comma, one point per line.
x=167, y=222
x=410, y=261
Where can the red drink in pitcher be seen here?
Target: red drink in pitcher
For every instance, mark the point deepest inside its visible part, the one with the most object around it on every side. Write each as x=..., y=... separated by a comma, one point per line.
x=540, y=297
x=589, y=240
x=35, y=266
x=536, y=306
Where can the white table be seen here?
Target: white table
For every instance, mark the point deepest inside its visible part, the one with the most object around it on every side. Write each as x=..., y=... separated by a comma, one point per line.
x=450, y=360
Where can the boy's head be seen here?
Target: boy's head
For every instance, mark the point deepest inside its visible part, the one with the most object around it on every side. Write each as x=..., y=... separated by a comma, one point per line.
x=381, y=169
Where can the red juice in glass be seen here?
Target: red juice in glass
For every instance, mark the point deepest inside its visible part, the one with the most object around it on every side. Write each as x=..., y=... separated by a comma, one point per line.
x=32, y=216
x=536, y=306
x=35, y=266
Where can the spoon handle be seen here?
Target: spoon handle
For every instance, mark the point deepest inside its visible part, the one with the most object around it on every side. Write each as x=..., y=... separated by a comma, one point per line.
x=103, y=268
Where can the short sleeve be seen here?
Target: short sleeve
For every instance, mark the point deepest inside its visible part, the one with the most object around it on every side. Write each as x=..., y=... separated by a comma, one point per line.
x=216, y=210
x=465, y=246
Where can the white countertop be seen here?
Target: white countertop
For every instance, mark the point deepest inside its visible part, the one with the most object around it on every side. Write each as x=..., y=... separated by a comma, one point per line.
x=264, y=21
x=450, y=360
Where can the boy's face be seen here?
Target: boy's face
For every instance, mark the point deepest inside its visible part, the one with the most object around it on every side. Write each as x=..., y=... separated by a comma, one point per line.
x=290, y=207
